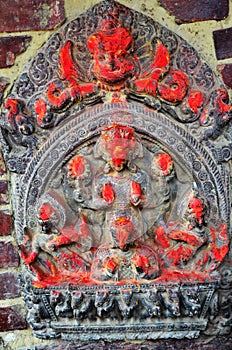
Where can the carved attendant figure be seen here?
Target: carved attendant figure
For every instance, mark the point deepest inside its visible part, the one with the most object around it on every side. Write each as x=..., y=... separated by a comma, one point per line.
x=62, y=258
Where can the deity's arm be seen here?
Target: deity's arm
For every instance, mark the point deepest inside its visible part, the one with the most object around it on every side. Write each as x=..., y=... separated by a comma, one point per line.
x=154, y=192
x=141, y=189
x=58, y=240
x=193, y=238
x=103, y=195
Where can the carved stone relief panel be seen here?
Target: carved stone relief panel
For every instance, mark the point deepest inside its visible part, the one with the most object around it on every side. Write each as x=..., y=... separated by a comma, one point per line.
x=118, y=139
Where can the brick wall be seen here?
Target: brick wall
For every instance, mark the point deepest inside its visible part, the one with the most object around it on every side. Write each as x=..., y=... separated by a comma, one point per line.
x=24, y=26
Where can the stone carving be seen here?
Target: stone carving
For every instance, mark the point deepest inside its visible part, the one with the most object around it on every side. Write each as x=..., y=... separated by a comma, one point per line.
x=118, y=135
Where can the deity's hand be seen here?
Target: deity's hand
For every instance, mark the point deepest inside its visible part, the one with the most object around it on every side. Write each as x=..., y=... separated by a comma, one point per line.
x=135, y=193
x=107, y=193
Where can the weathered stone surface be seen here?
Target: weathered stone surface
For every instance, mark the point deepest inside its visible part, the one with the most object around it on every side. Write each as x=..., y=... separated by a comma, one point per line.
x=5, y=224
x=11, y=319
x=8, y=255
x=171, y=344
x=196, y=10
x=226, y=72
x=10, y=47
x=8, y=285
x=223, y=43
x=4, y=82
x=3, y=192
x=31, y=15
x=2, y=165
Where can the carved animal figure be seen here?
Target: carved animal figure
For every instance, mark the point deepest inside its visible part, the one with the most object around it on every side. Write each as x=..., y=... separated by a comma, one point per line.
x=34, y=315
x=104, y=304
x=152, y=304
x=171, y=302
x=191, y=301
x=81, y=305
x=127, y=303
x=61, y=304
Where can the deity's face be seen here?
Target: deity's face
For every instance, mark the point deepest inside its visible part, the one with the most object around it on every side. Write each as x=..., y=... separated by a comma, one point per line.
x=112, y=67
x=113, y=62
x=119, y=145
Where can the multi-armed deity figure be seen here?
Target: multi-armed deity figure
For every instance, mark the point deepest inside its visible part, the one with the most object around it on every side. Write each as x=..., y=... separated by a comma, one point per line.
x=121, y=228
x=121, y=189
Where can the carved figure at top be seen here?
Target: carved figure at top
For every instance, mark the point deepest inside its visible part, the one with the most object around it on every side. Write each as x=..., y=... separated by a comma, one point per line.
x=113, y=61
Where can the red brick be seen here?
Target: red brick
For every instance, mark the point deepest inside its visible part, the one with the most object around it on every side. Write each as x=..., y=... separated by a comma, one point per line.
x=8, y=285
x=23, y=15
x=223, y=43
x=196, y=10
x=8, y=255
x=11, y=319
x=4, y=82
x=3, y=192
x=226, y=72
x=10, y=47
x=5, y=224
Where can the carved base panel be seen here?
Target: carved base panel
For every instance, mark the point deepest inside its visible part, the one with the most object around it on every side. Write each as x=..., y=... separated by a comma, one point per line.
x=132, y=312
x=118, y=139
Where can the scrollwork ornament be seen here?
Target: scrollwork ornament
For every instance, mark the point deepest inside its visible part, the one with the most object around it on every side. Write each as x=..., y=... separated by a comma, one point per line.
x=24, y=87
x=187, y=59
x=53, y=49
x=40, y=72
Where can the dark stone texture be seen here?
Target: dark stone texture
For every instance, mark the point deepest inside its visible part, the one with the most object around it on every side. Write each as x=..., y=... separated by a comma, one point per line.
x=223, y=43
x=10, y=47
x=8, y=255
x=5, y=224
x=226, y=72
x=4, y=82
x=11, y=319
x=196, y=10
x=8, y=285
x=31, y=15
x=2, y=165
x=3, y=192
x=171, y=344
